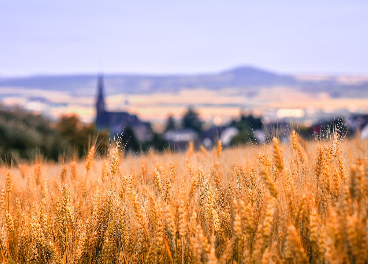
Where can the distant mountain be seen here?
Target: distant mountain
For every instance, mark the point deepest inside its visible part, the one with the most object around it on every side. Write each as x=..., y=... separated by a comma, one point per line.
x=239, y=77
x=250, y=76
x=242, y=78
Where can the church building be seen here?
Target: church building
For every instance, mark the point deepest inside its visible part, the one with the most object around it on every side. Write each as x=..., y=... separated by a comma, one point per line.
x=115, y=122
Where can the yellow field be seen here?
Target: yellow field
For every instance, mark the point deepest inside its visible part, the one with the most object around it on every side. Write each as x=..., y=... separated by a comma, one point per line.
x=296, y=203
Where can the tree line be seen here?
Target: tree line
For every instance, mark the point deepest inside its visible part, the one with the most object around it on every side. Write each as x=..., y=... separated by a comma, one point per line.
x=27, y=136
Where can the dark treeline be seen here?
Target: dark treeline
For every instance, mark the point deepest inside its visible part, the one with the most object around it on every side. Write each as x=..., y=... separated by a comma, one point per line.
x=27, y=136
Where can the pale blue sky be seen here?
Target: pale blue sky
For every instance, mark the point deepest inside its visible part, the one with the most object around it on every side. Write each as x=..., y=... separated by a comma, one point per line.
x=182, y=36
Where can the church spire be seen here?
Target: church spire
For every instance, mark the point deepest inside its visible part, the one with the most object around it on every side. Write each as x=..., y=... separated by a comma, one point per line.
x=100, y=103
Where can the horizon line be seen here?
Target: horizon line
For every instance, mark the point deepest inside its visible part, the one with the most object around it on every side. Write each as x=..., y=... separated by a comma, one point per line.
x=157, y=74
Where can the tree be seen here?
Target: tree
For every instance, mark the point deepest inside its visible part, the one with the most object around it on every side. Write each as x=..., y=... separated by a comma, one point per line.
x=246, y=125
x=191, y=120
x=245, y=136
x=247, y=122
x=129, y=140
x=157, y=143
x=24, y=135
x=80, y=135
x=170, y=123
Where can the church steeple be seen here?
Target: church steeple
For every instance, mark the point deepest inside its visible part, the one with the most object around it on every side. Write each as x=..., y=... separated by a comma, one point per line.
x=100, y=103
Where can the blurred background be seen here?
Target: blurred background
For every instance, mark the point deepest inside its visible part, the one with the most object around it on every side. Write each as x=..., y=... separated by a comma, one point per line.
x=170, y=72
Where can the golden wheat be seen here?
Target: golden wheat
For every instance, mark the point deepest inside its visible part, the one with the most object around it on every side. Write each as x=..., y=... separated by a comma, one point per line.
x=278, y=203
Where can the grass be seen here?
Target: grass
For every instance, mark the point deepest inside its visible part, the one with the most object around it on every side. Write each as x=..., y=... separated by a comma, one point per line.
x=279, y=203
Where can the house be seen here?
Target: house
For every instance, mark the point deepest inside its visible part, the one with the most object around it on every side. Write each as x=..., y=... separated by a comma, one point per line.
x=180, y=138
x=224, y=133
x=358, y=122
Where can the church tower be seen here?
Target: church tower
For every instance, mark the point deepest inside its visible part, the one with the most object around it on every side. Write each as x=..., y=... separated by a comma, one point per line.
x=100, y=102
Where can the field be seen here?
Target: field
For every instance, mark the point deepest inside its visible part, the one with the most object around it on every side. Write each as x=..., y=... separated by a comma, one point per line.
x=303, y=202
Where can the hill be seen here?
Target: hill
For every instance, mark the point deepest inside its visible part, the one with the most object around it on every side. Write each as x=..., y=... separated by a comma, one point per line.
x=240, y=77
x=154, y=96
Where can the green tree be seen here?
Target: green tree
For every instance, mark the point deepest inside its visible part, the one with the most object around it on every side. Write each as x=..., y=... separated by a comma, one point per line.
x=245, y=136
x=170, y=123
x=246, y=125
x=80, y=136
x=24, y=135
x=129, y=140
x=191, y=120
x=157, y=142
x=247, y=122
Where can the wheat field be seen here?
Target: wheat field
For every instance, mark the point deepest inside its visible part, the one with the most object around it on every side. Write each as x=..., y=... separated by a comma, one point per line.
x=303, y=202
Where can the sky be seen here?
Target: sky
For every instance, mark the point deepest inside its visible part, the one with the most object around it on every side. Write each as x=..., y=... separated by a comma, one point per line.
x=177, y=36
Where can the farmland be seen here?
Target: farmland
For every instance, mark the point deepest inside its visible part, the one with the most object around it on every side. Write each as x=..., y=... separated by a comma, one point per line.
x=300, y=202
